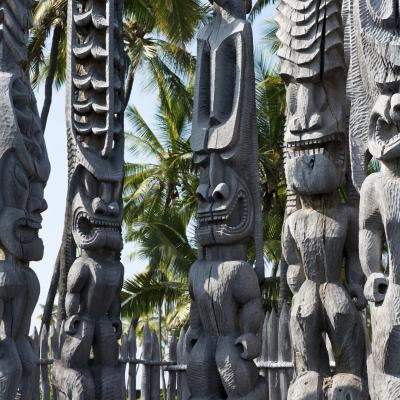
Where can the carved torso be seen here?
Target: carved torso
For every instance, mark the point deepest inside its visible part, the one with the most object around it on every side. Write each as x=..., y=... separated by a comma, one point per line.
x=320, y=238
x=219, y=289
x=381, y=199
x=101, y=285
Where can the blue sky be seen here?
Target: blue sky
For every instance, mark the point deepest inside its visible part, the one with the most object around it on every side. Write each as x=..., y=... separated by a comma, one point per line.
x=56, y=189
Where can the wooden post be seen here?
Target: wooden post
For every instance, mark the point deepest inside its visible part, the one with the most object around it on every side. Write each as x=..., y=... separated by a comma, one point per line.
x=44, y=370
x=155, y=369
x=54, y=352
x=36, y=349
x=273, y=373
x=172, y=357
x=146, y=371
x=284, y=349
x=124, y=355
x=264, y=346
x=181, y=343
x=132, y=364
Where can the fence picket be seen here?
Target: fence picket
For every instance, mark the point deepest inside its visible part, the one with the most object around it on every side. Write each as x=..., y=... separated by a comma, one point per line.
x=44, y=370
x=171, y=388
x=272, y=340
x=146, y=368
x=36, y=350
x=132, y=364
x=284, y=350
x=155, y=369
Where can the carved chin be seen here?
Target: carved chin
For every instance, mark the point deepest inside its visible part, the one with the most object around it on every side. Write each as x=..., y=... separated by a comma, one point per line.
x=226, y=225
x=92, y=233
x=313, y=174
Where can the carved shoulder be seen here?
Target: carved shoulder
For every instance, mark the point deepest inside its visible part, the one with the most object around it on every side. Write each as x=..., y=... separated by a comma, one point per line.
x=370, y=199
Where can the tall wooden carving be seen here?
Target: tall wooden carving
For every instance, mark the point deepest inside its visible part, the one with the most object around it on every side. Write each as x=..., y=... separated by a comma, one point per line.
x=226, y=313
x=24, y=169
x=374, y=82
x=321, y=237
x=89, y=288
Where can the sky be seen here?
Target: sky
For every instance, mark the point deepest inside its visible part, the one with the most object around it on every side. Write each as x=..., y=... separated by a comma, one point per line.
x=56, y=190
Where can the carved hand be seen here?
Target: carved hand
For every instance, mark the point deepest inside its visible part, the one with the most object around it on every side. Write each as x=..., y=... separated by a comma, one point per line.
x=117, y=324
x=192, y=337
x=250, y=346
x=356, y=292
x=375, y=287
x=71, y=324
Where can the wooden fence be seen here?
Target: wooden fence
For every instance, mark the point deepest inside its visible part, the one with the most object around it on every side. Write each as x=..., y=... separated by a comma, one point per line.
x=275, y=363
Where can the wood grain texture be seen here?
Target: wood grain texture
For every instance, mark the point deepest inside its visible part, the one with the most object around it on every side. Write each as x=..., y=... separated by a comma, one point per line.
x=95, y=75
x=226, y=313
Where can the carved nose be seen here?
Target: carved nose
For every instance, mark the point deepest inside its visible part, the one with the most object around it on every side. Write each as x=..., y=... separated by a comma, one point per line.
x=221, y=192
x=300, y=124
x=202, y=192
x=395, y=108
x=100, y=207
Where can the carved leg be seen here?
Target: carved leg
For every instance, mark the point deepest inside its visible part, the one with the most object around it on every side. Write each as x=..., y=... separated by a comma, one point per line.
x=202, y=374
x=344, y=328
x=106, y=368
x=29, y=363
x=71, y=375
x=240, y=377
x=306, y=326
x=10, y=369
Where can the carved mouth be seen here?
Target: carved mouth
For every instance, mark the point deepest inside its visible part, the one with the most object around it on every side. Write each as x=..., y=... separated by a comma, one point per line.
x=330, y=146
x=27, y=229
x=90, y=228
x=232, y=220
x=386, y=136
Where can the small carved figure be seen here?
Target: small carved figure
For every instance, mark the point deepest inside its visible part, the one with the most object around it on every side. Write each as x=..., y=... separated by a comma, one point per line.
x=90, y=284
x=321, y=236
x=24, y=170
x=374, y=92
x=226, y=313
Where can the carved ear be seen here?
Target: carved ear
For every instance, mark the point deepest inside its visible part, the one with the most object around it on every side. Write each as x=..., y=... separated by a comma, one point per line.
x=248, y=5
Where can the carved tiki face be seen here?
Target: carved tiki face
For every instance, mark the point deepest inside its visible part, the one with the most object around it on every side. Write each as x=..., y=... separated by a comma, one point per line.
x=223, y=138
x=97, y=212
x=381, y=51
x=24, y=169
x=312, y=66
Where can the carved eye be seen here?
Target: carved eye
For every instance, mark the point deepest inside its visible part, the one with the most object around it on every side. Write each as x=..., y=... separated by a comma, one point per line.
x=91, y=184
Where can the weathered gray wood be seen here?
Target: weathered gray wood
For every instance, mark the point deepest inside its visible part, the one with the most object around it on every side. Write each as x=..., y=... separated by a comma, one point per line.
x=36, y=350
x=123, y=356
x=264, y=346
x=146, y=368
x=24, y=170
x=172, y=357
x=44, y=372
x=272, y=340
x=373, y=37
x=181, y=378
x=155, y=369
x=321, y=236
x=226, y=312
x=90, y=283
x=284, y=350
x=132, y=365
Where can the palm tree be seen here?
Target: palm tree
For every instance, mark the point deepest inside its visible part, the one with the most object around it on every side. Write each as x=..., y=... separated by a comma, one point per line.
x=155, y=33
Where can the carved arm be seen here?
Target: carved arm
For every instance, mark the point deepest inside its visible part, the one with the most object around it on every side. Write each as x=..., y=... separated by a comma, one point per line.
x=370, y=239
x=290, y=252
x=354, y=274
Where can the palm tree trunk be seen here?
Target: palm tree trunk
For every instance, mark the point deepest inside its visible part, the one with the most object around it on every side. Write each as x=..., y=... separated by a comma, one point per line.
x=48, y=91
x=129, y=85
